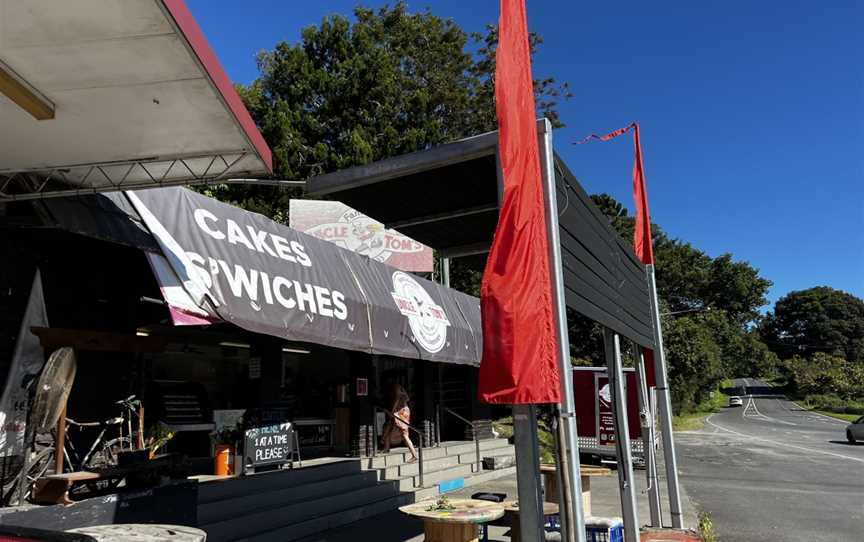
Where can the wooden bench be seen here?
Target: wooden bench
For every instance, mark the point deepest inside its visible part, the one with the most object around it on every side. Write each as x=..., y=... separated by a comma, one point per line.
x=54, y=488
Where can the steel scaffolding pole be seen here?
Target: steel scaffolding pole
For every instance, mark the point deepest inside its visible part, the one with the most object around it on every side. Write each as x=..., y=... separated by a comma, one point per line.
x=528, y=472
x=574, y=517
x=622, y=437
x=648, y=439
x=664, y=404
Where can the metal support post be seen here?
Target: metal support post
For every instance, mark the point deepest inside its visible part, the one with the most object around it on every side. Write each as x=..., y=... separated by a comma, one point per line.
x=445, y=272
x=664, y=403
x=648, y=440
x=572, y=513
x=528, y=472
x=622, y=437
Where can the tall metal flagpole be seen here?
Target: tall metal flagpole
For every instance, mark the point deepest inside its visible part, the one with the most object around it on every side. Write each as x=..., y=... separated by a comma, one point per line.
x=574, y=518
x=664, y=404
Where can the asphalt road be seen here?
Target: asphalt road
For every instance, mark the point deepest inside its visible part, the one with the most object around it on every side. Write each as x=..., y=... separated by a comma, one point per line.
x=770, y=471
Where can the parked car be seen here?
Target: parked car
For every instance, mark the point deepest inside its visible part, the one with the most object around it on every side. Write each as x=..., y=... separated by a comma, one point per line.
x=735, y=401
x=855, y=431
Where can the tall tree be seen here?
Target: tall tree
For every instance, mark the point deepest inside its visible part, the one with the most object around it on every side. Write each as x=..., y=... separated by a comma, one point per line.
x=352, y=92
x=819, y=319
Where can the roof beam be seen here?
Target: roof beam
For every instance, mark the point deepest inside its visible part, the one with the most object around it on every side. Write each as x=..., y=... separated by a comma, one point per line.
x=442, y=216
x=24, y=95
x=464, y=250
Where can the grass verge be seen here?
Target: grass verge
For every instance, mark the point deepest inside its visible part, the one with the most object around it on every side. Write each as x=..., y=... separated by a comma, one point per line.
x=695, y=419
x=839, y=416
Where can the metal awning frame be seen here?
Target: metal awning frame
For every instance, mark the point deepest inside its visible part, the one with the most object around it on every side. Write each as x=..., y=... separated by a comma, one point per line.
x=44, y=183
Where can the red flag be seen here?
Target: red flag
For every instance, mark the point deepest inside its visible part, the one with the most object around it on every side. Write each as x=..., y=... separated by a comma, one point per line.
x=642, y=244
x=520, y=355
x=642, y=235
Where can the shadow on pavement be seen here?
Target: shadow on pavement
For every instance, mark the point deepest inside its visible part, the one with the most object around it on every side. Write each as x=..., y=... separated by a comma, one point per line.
x=846, y=442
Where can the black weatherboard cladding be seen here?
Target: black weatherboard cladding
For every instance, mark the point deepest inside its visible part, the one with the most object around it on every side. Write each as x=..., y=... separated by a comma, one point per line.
x=603, y=279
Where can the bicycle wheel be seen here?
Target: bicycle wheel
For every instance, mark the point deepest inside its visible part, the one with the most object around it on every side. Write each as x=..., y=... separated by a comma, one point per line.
x=37, y=468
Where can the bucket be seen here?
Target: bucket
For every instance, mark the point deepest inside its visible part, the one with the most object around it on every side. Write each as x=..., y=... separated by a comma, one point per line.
x=222, y=460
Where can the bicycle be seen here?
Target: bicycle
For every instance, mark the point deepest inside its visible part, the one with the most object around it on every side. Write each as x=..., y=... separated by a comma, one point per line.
x=102, y=453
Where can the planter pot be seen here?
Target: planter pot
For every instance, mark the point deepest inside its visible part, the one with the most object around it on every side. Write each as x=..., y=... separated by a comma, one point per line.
x=223, y=460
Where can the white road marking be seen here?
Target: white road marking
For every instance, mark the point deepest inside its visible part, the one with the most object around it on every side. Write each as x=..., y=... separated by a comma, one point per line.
x=768, y=417
x=781, y=444
x=820, y=417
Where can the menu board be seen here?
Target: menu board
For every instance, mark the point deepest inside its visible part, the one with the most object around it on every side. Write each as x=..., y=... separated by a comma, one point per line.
x=268, y=445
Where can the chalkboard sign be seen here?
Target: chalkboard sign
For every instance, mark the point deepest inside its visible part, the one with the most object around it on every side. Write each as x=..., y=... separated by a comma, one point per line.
x=268, y=445
x=318, y=435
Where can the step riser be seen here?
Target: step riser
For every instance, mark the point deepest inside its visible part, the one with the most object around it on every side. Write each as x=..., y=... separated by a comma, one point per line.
x=445, y=450
x=413, y=469
x=394, y=460
x=279, y=518
x=332, y=521
x=432, y=478
x=498, y=452
x=213, y=512
x=238, y=487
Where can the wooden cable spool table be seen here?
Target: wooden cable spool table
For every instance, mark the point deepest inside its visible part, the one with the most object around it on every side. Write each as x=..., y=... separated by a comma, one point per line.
x=459, y=524
x=136, y=532
x=550, y=481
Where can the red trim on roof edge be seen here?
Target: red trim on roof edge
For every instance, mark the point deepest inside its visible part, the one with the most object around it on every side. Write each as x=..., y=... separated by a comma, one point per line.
x=192, y=32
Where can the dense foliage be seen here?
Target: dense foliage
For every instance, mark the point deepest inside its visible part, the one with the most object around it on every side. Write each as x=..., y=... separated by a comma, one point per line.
x=819, y=334
x=816, y=320
x=387, y=83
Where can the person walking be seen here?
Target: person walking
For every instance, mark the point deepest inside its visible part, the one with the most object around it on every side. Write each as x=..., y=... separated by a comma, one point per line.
x=397, y=428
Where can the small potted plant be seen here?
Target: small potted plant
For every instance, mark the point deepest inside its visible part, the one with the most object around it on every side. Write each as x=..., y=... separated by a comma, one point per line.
x=159, y=436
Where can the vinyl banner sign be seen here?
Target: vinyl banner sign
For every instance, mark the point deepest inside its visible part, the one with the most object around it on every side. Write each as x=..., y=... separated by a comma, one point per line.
x=350, y=229
x=605, y=414
x=246, y=269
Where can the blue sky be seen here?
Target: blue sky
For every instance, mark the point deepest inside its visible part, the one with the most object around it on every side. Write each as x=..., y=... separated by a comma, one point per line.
x=752, y=113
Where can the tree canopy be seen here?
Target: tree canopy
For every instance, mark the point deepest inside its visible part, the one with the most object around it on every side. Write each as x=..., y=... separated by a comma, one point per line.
x=819, y=319
x=387, y=83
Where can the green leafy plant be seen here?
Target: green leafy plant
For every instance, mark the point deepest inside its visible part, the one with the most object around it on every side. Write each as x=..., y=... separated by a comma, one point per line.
x=159, y=436
x=706, y=528
x=443, y=504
